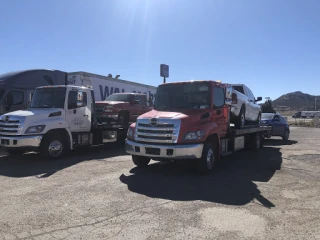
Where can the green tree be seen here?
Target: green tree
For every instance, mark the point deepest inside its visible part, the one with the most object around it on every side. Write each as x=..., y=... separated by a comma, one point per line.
x=267, y=107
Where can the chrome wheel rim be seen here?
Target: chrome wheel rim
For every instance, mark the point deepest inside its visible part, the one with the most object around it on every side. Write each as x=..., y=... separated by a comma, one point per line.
x=55, y=148
x=210, y=159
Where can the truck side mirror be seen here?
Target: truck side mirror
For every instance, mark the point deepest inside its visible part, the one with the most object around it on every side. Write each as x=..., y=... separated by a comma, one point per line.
x=259, y=99
x=234, y=98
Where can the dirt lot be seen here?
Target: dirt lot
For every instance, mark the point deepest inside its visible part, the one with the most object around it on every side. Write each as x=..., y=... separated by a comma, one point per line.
x=273, y=194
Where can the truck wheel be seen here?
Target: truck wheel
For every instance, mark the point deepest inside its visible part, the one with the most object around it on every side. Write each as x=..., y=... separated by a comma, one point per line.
x=14, y=152
x=256, y=142
x=140, y=161
x=285, y=137
x=208, y=159
x=53, y=146
x=241, y=119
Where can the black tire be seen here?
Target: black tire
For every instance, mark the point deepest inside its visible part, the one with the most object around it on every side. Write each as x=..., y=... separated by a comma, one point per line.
x=208, y=159
x=286, y=135
x=140, y=161
x=15, y=152
x=54, y=146
x=256, y=142
x=241, y=119
x=258, y=121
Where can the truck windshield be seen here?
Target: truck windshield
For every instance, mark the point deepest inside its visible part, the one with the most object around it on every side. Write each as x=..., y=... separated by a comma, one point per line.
x=193, y=95
x=120, y=98
x=48, y=98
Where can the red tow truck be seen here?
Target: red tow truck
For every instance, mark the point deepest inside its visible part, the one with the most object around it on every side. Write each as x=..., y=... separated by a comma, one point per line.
x=119, y=110
x=190, y=120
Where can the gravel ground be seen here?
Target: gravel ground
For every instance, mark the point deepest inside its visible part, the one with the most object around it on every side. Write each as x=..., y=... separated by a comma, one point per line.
x=273, y=194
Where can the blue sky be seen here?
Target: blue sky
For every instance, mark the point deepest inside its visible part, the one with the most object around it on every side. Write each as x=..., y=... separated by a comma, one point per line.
x=273, y=46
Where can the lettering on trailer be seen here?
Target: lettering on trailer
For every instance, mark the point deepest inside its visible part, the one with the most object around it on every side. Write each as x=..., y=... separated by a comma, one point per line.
x=107, y=91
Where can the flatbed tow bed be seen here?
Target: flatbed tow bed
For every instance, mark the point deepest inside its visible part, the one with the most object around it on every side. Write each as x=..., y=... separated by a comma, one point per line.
x=248, y=137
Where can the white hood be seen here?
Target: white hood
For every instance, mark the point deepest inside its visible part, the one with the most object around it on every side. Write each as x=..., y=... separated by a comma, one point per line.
x=34, y=111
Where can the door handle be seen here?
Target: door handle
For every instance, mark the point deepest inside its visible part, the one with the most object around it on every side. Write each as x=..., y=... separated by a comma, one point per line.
x=85, y=115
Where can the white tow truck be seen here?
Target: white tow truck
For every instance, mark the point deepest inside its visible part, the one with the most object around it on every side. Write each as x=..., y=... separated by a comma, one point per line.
x=59, y=119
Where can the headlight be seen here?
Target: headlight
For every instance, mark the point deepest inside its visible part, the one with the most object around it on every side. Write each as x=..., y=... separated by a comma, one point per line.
x=35, y=129
x=130, y=133
x=194, y=135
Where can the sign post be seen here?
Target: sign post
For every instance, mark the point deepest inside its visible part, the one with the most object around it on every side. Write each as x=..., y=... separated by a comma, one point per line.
x=164, y=72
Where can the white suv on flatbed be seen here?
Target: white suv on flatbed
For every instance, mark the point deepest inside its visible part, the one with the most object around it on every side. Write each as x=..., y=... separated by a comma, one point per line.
x=246, y=110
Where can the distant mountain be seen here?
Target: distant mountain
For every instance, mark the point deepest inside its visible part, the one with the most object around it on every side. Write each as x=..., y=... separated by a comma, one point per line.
x=296, y=101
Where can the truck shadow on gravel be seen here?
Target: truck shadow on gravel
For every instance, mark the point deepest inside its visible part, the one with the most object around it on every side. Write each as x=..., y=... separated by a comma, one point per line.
x=278, y=142
x=231, y=183
x=32, y=164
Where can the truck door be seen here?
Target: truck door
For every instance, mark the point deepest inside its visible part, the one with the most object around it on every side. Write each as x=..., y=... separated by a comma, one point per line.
x=218, y=115
x=15, y=100
x=78, y=114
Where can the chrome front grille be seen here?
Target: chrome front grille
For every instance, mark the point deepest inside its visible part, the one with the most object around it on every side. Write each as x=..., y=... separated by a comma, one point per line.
x=10, y=125
x=99, y=108
x=157, y=130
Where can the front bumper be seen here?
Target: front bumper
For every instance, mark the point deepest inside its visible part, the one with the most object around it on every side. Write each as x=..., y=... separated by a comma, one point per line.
x=33, y=141
x=188, y=151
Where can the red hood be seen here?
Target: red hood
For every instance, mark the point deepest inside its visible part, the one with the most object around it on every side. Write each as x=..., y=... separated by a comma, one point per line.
x=189, y=113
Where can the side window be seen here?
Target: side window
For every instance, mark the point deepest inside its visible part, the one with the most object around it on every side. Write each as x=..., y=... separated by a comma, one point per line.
x=276, y=118
x=143, y=100
x=283, y=120
x=82, y=99
x=77, y=99
x=218, y=97
x=14, y=98
x=73, y=100
x=250, y=95
x=139, y=98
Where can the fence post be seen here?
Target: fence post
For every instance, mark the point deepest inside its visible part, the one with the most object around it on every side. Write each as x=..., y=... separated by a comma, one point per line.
x=316, y=122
